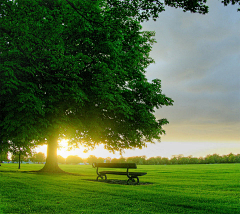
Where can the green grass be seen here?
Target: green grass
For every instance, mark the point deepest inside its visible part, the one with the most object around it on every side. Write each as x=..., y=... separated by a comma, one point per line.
x=171, y=189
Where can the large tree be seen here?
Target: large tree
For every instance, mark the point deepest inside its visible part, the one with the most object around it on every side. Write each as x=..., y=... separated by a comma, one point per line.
x=76, y=70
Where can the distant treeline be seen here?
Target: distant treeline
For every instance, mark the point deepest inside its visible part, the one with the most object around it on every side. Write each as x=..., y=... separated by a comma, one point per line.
x=143, y=160
x=139, y=160
x=180, y=159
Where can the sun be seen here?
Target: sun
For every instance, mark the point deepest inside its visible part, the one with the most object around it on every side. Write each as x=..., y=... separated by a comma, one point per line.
x=64, y=151
x=63, y=148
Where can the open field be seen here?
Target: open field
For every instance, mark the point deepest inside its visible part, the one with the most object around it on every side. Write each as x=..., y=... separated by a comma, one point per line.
x=168, y=189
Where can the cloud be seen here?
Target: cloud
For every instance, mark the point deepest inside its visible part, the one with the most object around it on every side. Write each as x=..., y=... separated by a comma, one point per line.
x=197, y=58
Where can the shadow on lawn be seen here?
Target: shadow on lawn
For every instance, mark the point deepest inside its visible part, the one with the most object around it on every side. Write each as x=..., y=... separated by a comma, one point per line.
x=121, y=182
x=43, y=173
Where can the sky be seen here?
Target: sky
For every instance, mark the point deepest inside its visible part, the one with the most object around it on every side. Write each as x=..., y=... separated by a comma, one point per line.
x=197, y=58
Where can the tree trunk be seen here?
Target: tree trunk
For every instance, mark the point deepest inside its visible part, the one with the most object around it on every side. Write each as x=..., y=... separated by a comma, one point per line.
x=51, y=164
x=19, y=158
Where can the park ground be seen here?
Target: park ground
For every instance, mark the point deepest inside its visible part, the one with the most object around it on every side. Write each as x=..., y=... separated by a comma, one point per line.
x=206, y=188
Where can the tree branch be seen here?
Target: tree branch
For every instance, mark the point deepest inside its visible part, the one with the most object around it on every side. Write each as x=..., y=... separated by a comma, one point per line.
x=73, y=6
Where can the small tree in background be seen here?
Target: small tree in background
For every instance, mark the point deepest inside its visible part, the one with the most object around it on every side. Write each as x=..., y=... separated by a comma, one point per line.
x=101, y=160
x=122, y=160
x=38, y=157
x=174, y=160
x=193, y=160
x=61, y=159
x=73, y=159
x=165, y=161
x=108, y=159
x=20, y=149
x=115, y=160
x=91, y=159
x=237, y=158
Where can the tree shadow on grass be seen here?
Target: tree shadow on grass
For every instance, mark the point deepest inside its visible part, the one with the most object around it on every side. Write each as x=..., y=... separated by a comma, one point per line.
x=120, y=182
x=43, y=173
x=13, y=171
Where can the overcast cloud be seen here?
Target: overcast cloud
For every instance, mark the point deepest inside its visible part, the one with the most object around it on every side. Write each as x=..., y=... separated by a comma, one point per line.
x=198, y=60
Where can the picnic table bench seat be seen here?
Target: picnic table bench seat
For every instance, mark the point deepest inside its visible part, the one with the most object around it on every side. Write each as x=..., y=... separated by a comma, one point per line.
x=131, y=175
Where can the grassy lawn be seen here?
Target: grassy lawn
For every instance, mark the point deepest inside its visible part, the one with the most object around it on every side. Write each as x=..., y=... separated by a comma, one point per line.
x=168, y=189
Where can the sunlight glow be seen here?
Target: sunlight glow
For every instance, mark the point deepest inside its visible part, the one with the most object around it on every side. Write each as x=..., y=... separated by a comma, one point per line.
x=163, y=149
x=64, y=151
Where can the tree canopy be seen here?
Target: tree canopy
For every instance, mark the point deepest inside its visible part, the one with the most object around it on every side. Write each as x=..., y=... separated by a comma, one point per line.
x=76, y=70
